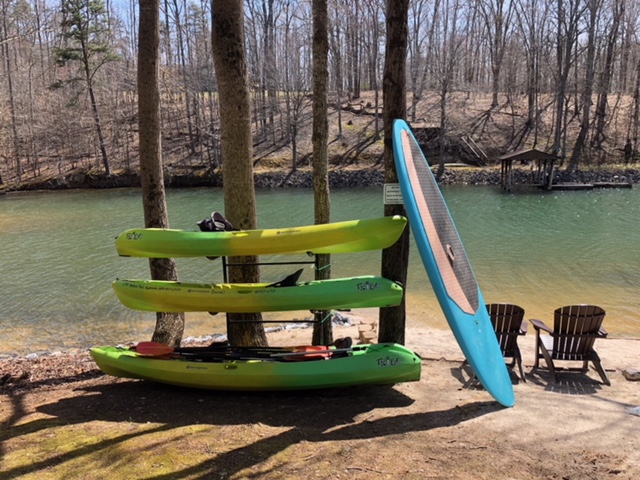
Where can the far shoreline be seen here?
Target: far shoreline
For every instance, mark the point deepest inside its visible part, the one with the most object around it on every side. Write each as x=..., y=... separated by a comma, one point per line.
x=365, y=175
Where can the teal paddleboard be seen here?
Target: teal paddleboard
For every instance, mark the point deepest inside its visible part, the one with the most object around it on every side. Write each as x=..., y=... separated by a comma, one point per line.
x=448, y=267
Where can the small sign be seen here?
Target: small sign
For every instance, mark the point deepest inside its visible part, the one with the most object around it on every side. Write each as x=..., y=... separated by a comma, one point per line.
x=392, y=194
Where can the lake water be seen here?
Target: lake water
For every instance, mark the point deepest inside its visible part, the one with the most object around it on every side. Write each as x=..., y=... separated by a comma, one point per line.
x=539, y=250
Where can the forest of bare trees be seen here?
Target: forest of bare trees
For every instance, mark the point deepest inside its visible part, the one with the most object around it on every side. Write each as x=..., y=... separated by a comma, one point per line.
x=561, y=76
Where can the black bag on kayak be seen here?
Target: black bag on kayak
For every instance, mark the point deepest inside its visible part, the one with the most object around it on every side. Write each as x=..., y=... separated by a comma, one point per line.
x=216, y=223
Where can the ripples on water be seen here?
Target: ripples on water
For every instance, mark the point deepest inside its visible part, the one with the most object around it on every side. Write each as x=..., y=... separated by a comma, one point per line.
x=540, y=250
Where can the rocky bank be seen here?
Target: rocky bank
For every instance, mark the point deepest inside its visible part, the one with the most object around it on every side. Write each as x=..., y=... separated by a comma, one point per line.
x=365, y=176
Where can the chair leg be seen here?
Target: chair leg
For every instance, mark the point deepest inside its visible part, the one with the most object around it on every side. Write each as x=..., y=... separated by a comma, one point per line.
x=549, y=361
x=537, y=350
x=518, y=360
x=601, y=372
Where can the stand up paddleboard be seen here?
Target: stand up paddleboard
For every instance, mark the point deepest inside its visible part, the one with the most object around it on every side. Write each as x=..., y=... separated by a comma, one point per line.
x=448, y=267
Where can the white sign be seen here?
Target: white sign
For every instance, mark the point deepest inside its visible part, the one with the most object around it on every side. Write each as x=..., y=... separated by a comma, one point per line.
x=392, y=194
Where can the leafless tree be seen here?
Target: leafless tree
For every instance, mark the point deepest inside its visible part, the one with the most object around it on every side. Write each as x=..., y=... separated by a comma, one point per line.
x=446, y=60
x=568, y=15
x=420, y=47
x=593, y=9
x=606, y=72
x=12, y=103
x=497, y=15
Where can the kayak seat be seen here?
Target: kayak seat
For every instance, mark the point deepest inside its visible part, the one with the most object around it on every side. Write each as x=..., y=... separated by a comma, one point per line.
x=288, y=281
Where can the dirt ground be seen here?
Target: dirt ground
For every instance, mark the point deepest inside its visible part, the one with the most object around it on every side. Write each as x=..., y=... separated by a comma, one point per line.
x=60, y=418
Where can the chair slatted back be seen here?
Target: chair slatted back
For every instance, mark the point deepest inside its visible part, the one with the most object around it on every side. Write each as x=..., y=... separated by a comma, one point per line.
x=575, y=331
x=507, y=320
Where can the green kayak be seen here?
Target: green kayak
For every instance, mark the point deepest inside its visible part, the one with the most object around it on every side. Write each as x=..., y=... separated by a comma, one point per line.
x=375, y=364
x=339, y=237
x=166, y=296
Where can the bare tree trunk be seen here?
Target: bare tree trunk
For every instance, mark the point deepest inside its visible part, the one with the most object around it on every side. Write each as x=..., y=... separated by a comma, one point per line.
x=169, y=326
x=578, y=147
x=97, y=122
x=270, y=65
x=12, y=105
x=395, y=259
x=374, y=10
x=606, y=75
x=335, y=47
x=419, y=65
x=322, y=332
x=185, y=80
x=497, y=20
x=355, y=52
x=448, y=61
x=567, y=31
x=227, y=38
x=634, y=127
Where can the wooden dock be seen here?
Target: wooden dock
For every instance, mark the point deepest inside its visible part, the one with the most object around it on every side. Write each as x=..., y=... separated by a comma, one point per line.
x=588, y=186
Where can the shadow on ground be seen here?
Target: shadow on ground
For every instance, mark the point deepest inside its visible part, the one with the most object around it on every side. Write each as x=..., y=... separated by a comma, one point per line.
x=313, y=416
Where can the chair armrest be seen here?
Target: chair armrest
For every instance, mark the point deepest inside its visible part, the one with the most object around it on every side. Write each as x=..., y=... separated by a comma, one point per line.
x=602, y=332
x=539, y=325
x=524, y=327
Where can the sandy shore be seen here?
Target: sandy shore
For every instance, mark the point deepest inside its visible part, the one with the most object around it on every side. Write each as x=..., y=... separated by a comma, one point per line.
x=441, y=427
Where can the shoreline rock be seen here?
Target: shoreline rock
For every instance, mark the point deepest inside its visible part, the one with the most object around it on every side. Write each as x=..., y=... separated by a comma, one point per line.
x=338, y=178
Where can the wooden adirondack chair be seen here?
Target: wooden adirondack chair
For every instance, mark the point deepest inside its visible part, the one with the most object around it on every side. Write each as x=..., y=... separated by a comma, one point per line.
x=576, y=328
x=507, y=320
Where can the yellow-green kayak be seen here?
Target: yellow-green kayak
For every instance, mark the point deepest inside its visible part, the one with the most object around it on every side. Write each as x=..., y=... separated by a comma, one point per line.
x=340, y=293
x=339, y=237
x=375, y=364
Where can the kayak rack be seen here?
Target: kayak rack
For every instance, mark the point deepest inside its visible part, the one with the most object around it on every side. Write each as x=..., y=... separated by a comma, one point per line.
x=226, y=264
x=225, y=275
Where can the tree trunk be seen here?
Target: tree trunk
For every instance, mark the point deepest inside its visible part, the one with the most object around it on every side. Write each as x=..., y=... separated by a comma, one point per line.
x=607, y=74
x=336, y=48
x=634, y=124
x=322, y=332
x=566, y=36
x=12, y=105
x=395, y=259
x=578, y=147
x=229, y=56
x=169, y=326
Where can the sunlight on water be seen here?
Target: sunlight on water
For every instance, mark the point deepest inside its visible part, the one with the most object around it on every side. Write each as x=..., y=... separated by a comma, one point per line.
x=539, y=250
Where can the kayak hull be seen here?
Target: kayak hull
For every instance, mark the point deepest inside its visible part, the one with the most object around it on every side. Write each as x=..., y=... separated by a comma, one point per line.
x=340, y=237
x=342, y=293
x=375, y=364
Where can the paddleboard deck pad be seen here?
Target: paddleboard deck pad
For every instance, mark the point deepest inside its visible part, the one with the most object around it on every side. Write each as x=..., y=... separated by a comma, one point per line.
x=448, y=266
x=375, y=364
x=340, y=237
x=340, y=293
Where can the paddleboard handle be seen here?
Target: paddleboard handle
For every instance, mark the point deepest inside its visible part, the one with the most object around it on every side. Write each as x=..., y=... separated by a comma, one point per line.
x=450, y=254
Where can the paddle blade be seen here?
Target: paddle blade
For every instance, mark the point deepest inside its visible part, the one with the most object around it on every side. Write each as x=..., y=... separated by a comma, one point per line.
x=307, y=352
x=153, y=349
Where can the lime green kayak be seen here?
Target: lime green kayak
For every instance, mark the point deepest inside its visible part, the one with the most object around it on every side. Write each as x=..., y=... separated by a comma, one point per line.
x=340, y=237
x=166, y=296
x=376, y=364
